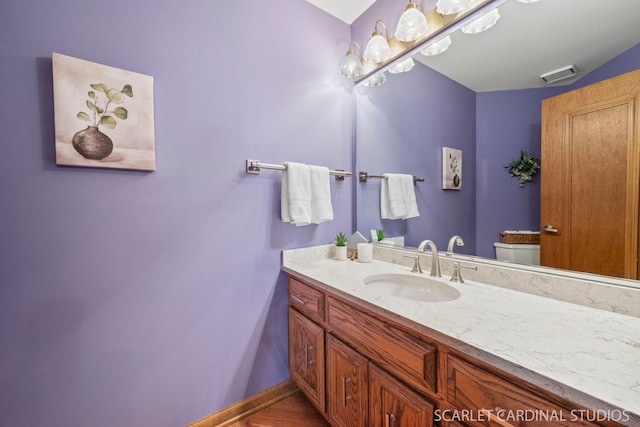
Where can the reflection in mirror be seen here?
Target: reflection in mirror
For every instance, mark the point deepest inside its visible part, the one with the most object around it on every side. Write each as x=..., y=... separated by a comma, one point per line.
x=403, y=125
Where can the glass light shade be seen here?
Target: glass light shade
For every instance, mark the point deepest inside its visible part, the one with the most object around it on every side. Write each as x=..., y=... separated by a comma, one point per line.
x=377, y=49
x=377, y=79
x=483, y=23
x=351, y=65
x=449, y=7
x=402, y=66
x=412, y=24
x=437, y=48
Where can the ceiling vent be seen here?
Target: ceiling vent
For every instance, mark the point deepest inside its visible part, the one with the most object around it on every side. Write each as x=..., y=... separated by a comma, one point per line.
x=560, y=74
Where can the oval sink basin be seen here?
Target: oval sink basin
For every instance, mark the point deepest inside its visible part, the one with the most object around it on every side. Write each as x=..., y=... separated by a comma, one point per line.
x=414, y=288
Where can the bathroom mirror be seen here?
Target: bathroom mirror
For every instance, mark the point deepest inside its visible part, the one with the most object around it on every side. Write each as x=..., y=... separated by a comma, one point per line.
x=490, y=113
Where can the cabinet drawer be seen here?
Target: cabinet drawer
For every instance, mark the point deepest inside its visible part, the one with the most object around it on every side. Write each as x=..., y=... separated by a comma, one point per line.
x=494, y=401
x=403, y=354
x=306, y=299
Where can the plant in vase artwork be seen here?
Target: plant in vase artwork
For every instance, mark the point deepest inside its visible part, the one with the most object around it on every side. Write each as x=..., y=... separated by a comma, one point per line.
x=91, y=143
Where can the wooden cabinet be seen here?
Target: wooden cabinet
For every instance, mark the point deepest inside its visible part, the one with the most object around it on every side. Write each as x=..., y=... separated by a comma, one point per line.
x=306, y=357
x=378, y=372
x=497, y=402
x=391, y=404
x=347, y=374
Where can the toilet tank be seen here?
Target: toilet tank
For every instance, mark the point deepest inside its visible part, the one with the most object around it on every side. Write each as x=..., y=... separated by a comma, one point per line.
x=521, y=254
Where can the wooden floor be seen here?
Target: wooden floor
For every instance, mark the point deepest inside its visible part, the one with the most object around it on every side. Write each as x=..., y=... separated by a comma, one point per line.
x=293, y=411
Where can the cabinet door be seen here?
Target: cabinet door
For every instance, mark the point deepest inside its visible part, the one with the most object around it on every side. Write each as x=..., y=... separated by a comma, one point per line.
x=306, y=357
x=346, y=385
x=394, y=405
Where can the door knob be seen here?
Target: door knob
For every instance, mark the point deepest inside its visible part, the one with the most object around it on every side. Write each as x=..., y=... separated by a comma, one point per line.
x=550, y=229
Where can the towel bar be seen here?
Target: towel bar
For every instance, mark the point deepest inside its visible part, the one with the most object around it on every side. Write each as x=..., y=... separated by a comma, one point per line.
x=254, y=166
x=364, y=176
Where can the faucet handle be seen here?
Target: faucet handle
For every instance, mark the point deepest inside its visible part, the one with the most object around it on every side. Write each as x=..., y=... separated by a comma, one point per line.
x=416, y=263
x=456, y=276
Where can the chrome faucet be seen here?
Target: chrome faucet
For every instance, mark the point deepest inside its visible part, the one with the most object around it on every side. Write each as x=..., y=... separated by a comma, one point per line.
x=457, y=240
x=435, y=262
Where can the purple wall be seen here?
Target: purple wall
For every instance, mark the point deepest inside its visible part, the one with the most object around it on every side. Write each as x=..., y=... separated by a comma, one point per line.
x=507, y=122
x=400, y=130
x=135, y=299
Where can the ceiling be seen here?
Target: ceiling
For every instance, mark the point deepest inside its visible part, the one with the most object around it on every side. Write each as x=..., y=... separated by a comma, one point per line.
x=528, y=40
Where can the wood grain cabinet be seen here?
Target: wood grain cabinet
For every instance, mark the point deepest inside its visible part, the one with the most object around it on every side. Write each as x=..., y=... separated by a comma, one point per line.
x=395, y=405
x=306, y=357
x=379, y=372
x=347, y=376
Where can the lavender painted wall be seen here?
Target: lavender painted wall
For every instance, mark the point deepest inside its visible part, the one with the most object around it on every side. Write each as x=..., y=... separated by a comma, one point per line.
x=135, y=299
x=400, y=130
x=507, y=122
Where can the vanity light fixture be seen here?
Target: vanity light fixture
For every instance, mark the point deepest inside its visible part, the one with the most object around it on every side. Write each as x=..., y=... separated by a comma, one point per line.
x=437, y=47
x=450, y=7
x=483, y=23
x=351, y=65
x=378, y=49
x=402, y=66
x=377, y=79
x=412, y=24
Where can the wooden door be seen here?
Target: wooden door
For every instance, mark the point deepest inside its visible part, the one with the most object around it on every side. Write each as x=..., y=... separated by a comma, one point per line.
x=392, y=404
x=590, y=178
x=347, y=373
x=306, y=357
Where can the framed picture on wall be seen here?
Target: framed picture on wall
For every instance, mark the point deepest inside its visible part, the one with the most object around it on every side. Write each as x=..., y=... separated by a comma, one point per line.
x=103, y=115
x=451, y=169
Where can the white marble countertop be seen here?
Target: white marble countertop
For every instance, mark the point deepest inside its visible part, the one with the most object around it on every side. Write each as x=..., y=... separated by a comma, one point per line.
x=590, y=356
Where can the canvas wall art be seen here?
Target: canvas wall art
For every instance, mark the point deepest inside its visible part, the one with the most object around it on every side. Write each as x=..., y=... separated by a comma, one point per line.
x=451, y=169
x=103, y=115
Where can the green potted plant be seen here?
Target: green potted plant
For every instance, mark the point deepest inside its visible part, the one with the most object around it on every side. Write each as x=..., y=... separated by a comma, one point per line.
x=341, y=247
x=380, y=235
x=523, y=167
x=90, y=142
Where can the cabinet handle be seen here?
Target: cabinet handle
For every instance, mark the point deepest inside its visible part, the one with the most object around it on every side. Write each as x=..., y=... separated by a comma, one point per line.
x=389, y=419
x=550, y=229
x=306, y=355
x=495, y=419
x=298, y=299
x=345, y=395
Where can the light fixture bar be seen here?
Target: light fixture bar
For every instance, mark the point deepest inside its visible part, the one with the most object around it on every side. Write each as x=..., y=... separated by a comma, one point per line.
x=448, y=26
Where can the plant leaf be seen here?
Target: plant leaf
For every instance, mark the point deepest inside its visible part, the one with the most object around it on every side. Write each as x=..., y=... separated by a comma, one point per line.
x=121, y=113
x=92, y=94
x=92, y=106
x=115, y=96
x=108, y=122
x=127, y=90
x=100, y=87
x=83, y=116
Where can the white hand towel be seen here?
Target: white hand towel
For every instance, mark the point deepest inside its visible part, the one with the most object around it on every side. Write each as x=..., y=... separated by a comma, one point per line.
x=295, y=194
x=408, y=189
x=397, y=197
x=321, y=208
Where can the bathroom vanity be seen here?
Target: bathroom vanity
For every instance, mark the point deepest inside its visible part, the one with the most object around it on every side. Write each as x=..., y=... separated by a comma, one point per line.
x=491, y=356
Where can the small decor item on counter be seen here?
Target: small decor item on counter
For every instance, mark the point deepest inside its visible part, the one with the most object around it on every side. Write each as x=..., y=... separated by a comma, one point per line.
x=524, y=168
x=380, y=235
x=451, y=169
x=365, y=252
x=341, y=247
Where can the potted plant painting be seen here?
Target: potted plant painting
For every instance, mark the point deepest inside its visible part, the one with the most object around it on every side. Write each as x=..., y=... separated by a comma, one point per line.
x=91, y=143
x=341, y=247
x=524, y=168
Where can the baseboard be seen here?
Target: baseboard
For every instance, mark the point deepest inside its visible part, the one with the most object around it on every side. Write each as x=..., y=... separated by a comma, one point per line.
x=248, y=406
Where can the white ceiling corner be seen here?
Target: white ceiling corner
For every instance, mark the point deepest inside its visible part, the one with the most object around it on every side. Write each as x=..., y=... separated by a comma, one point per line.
x=345, y=10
